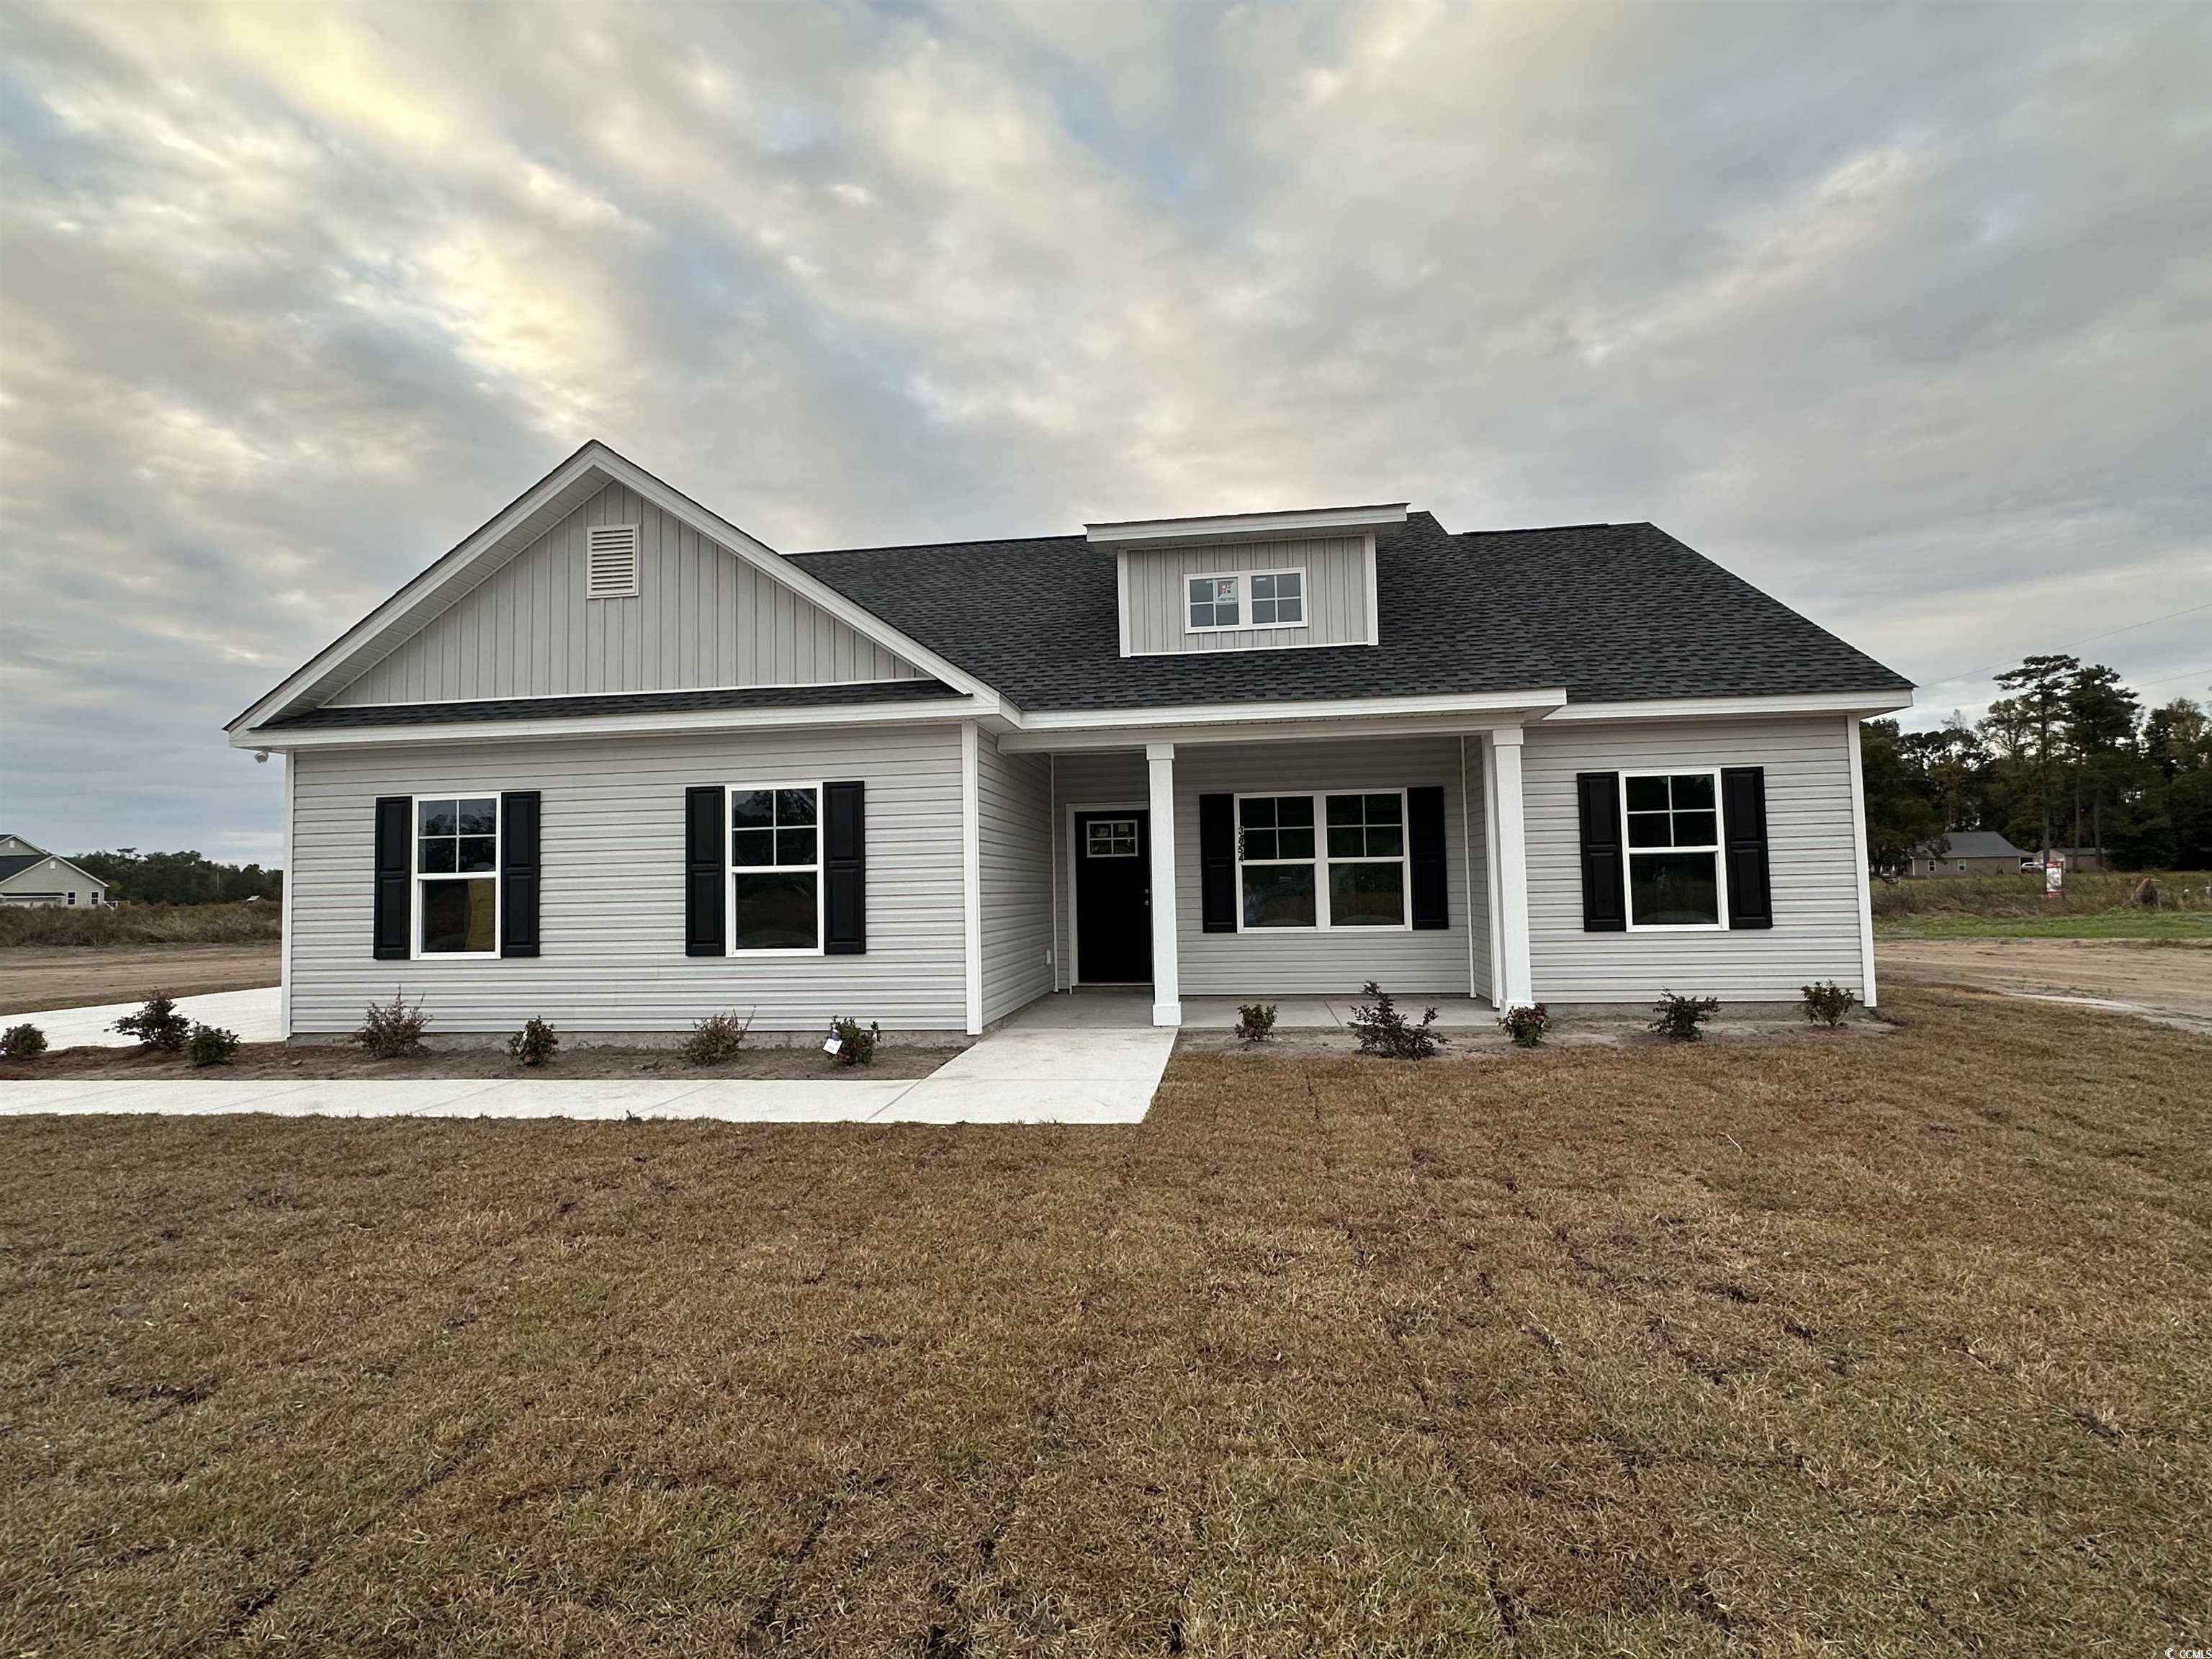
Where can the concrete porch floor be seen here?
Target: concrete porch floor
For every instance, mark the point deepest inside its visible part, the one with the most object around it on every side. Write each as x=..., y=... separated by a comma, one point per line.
x=1088, y=1010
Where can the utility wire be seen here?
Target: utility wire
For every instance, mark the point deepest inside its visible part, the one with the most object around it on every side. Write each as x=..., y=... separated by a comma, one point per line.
x=2186, y=674
x=2006, y=662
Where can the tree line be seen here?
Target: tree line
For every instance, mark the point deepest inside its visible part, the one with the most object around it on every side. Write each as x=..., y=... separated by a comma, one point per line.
x=136, y=877
x=2067, y=757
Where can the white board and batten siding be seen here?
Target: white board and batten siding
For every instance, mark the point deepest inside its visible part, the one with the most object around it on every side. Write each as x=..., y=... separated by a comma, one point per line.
x=1814, y=860
x=702, y=618
x=1014, y=863
x=1336, y=593
x=611, y=911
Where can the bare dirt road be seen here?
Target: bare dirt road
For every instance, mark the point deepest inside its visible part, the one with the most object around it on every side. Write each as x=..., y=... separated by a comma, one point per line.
x=2170, y=982
x=36, y=976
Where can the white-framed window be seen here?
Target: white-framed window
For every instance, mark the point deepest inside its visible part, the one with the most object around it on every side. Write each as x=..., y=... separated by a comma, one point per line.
x=456, y=910
x=1672, y=822
x=1110, y=838
x=1245, y=598
x=1322, y=860
x=775, y=869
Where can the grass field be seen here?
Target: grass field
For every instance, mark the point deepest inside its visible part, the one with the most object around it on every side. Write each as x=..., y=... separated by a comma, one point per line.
x=1890, y=1346
x=142, y=925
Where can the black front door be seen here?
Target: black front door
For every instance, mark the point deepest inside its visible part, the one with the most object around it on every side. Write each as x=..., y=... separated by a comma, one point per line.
x=1113, y=898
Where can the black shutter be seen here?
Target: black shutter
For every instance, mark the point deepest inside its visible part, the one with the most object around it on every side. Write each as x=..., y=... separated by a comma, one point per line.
x=1743, y=834
x=390, y=937
x=1605, y=907
x=1216, y=863
x=705, y=861
x=1424, y=848
x=517, y=873
x=845, y=868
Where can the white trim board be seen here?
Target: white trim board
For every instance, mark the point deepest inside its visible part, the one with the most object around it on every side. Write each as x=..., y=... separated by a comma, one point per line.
x=1663, y=708
x=411, y=608
x=971, y=873
x=584, y=725
x=1244, y=526
x=1183, y=715
x=1859, y=852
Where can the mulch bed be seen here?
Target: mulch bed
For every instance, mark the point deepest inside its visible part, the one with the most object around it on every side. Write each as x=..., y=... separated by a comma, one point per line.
x=306, y=1062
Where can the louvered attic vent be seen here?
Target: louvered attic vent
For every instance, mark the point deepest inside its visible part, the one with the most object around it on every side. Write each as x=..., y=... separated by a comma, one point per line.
x=611, y=552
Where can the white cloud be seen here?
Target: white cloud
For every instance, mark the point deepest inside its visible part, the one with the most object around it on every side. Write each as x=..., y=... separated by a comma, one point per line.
x=1903, y=314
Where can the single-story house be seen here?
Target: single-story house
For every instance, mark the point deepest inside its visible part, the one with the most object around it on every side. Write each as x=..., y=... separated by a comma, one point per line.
x=30, y=875
x=613, y=761
x=2078, y=859
x=1968, y=853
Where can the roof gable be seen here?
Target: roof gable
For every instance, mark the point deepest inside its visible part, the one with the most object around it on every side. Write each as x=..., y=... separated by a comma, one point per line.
x=523, y=524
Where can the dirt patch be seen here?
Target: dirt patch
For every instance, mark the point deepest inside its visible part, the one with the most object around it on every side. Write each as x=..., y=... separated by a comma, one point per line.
x=1860, y=1346
x=305, y=1063
x=35, y=977
x=2162, y=979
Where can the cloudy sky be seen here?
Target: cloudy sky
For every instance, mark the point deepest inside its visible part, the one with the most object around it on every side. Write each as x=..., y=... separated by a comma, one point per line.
x=1904, y=315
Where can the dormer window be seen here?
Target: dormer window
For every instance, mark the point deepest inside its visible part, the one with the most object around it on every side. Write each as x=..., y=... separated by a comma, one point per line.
x=1278, y=599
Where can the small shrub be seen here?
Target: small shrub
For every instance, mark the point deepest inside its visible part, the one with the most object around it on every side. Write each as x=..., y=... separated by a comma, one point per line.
x=1256, y=1022
x=392, y=1030
x=856, y=1046
x=1677, y=1018
x=714, y=1041
x=534, y=1044
x=1526, y=1026
x=157, y=1024
x=1383, y=1030
x=1826, y=1003
x=2146, y=895
x=210, y=1045
x=24, y=1042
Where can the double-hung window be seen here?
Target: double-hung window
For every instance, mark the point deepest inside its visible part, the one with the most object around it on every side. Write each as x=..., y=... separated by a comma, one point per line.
x=1214, y=604
x=1350, y=874
x=457, y=875
x=775, y=868
x=1674, y=824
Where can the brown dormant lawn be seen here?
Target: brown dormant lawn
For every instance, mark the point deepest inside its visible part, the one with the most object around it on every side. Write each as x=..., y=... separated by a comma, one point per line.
x=1874, y=1348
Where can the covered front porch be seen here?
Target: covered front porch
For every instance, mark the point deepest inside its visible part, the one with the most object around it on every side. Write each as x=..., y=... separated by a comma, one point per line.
x=1286, y=861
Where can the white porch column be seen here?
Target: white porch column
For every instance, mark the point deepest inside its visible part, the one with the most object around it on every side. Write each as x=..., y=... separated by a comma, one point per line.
x=1513, y=980
x=1167, y=985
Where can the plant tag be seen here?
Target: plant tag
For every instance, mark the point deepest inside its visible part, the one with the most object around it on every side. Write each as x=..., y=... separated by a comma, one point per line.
x=832, y=1045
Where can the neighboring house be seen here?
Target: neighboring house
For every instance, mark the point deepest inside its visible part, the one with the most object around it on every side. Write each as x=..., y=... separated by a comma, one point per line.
x=614, y=763
x=1967, y=853
x=31, y=875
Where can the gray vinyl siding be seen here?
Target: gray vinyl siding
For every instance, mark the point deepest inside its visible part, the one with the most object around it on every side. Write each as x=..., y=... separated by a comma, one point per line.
x=1815, y=863
x=1336, y=590
x=612, y=914
x=702, y=617
x=1013, y=819
x=1284, y=963
x=1082, y=779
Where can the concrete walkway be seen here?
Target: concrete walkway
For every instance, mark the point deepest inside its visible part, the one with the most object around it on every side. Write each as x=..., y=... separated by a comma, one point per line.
x=1010, y=1076
x=252, y=1014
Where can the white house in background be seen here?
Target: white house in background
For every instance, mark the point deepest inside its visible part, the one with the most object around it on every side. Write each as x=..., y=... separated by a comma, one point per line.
x=30, y=875
x=613, y=761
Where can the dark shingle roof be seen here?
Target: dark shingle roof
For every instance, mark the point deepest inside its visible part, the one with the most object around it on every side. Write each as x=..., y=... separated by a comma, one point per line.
x=1974, y=844
x=627, y=702
x=13, y=863
x=1611, y=611
x=1628, y=612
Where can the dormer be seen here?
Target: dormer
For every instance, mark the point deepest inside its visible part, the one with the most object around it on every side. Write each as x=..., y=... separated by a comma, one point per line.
x=1248, y=581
